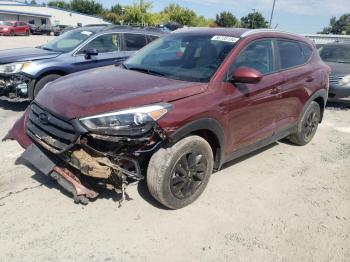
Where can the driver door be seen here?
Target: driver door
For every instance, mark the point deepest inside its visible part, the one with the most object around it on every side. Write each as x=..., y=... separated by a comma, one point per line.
x=109, y=53
x=253, y=107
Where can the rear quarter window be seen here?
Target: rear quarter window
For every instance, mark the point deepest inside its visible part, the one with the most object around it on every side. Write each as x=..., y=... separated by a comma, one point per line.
x=290, y=53
x=307, y=51
x=151, y=38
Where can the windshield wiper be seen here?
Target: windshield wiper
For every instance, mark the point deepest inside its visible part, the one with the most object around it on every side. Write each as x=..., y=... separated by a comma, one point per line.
x=144, y=70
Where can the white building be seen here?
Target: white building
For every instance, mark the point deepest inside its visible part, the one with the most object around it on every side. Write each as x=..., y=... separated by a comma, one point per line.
x=41, y=15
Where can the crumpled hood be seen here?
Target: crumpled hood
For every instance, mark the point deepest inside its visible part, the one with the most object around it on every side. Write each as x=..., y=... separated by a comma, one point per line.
x=111, y=88
x=339, y=68
x=25, y=54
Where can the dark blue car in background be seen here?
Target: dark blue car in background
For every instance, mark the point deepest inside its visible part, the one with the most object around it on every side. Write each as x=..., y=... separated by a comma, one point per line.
x=25, y=71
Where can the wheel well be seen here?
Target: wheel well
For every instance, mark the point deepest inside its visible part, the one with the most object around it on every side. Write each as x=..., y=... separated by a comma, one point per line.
x=322, y=104
x=214, y=143
x=33, y=84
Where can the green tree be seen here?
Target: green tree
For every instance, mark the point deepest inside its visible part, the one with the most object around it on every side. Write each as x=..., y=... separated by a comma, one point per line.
x=138, y=13
x=59, y=4
x=338, y=26
x=204, y=22
x=181, y=15
x=117, y=9
x=33, y=2
x=90, y=7
x=226, y=19
x=254, y=20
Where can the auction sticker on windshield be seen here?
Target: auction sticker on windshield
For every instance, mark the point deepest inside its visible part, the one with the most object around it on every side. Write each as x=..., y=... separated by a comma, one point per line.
x=225, y=38
x=86, y=33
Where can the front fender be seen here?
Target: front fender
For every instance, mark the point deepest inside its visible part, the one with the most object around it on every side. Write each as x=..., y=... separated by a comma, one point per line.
x=18, y=133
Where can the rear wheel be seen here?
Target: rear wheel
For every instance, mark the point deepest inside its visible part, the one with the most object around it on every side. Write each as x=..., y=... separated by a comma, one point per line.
x=43, y=81
x=178, y=175
x=307, y=126
x=27, y=33
x=12, y=33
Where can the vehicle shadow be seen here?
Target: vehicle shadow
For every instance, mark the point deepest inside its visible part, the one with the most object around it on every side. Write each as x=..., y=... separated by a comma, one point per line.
x=13, y=105
x=250, y=155
x=337, y=105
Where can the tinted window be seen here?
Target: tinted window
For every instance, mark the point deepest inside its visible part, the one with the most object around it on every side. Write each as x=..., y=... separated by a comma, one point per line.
x=336, y=53
x=104, y=44
x=290, y=53
x=151, y=38
x=134, y=42
x=307, y=51
x=258, y=55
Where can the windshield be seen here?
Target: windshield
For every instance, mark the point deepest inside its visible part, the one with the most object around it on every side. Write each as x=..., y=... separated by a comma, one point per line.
x=183, y=56
x=68, y=41
x=335, y=53
x=6, y=23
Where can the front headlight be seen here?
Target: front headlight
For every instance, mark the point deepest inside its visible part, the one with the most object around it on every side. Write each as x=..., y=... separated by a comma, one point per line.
x=5, y=29
x=345, y=80
x=13, y=68
x=134, y=121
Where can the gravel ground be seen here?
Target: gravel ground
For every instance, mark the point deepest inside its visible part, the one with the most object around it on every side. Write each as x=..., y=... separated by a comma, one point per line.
x=283, y=203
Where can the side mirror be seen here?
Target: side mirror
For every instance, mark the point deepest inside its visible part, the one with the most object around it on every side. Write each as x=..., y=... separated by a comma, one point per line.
x=246, y=75
x=90, y=52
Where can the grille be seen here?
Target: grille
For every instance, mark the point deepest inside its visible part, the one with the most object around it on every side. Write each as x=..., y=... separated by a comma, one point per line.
x=53, y=133
x=335, y=79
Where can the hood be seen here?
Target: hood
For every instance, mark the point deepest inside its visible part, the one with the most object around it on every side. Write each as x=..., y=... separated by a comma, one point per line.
x=25, y=54
x=339, y=68
x=109, y=89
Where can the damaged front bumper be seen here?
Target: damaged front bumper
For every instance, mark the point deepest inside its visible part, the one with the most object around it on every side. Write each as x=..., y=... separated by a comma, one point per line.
x=15, y=86
x=67, y=152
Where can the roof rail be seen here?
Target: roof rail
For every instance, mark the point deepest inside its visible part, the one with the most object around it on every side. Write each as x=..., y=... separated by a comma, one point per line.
x=256, y=31
x=132, y=27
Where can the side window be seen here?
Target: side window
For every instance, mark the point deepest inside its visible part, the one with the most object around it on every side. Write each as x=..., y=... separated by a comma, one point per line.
x=307, y=51
x=258, y=55
x=103, y=44
x=290, y=54
x=151, y=38
x=134, y=42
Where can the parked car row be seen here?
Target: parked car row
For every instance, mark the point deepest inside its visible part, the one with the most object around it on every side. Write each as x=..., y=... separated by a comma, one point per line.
x=24, y=72
x=172, y=114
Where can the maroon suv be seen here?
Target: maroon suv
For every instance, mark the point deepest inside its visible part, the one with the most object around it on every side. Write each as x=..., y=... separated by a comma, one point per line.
x=175, y=112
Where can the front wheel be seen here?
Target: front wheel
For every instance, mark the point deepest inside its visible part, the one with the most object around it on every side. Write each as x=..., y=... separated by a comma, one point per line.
x=307, y=126
x=178, y=175
x=43, y=81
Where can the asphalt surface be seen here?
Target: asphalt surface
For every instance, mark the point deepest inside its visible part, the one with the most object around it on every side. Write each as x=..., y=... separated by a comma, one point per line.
x=283, y=203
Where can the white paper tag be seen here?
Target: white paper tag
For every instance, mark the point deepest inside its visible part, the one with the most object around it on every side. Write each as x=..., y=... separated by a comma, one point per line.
x=225, y=38
x=86, y=33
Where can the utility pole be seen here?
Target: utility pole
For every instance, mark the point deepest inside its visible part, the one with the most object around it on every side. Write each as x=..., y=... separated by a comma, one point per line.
x=253, y=18
x=272, y=11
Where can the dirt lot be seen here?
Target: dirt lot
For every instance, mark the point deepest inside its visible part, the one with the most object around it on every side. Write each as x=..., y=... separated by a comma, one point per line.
x=284, y=203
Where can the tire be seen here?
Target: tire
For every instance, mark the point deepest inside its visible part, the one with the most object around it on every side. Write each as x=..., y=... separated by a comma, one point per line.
x=307, y=125
x=27, y=33
x=12, y=33
x=175, y=184
x=43, y=81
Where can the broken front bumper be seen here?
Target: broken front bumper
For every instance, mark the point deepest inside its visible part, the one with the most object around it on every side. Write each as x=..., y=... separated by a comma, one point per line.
x=14, y=86
x=67, y=152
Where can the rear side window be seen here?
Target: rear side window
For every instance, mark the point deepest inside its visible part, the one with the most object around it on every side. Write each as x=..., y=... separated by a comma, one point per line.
x=151, y=38
x=134, y=42
x=290, y=53
x=307, y=51
x=258, y=55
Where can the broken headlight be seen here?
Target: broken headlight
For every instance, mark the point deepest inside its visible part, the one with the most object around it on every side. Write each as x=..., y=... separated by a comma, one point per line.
x=134, y=121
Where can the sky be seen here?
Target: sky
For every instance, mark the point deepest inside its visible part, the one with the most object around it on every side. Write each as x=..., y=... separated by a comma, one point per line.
x=299, y=16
